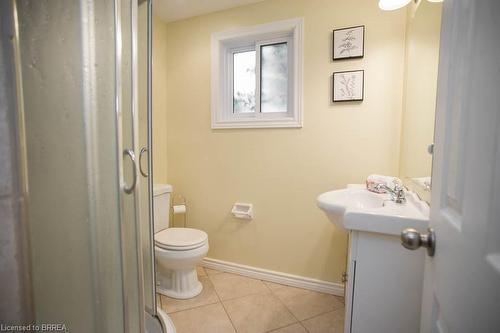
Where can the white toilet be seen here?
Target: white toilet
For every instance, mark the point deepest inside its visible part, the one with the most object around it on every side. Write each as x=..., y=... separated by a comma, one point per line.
x=177, y=250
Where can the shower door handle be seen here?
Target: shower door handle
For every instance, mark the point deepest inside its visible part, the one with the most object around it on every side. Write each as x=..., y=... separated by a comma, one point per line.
x=130, y=189
x=143, y=150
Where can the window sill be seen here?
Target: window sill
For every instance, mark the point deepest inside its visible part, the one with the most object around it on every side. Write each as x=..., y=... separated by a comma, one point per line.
x=264, y=123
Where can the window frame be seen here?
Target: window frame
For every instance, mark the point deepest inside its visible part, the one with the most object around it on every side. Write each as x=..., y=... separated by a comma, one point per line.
x=226, y=44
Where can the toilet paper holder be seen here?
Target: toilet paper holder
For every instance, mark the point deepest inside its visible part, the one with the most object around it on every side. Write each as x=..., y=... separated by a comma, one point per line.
x=242, y=210
x=178, y=206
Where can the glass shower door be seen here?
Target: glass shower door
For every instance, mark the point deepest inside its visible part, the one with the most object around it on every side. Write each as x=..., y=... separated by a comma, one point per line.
x=128, y=145
x=77, y=77
x=145, y=158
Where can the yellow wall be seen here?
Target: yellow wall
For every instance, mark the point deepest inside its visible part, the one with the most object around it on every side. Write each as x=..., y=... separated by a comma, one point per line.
x=159, y=100
x=419, y=104
x=281, y=171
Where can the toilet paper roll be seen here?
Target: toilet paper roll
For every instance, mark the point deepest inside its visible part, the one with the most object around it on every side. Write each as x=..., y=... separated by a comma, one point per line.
x=179, y=209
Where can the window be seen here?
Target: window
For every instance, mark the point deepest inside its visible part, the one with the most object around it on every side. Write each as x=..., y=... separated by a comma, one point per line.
x=244, y=81
x=257, y=76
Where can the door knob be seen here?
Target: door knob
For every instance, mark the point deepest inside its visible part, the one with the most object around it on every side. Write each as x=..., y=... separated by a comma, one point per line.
x=412, y=240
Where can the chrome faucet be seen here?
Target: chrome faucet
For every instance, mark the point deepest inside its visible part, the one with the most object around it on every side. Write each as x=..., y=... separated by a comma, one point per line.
x=397, y=193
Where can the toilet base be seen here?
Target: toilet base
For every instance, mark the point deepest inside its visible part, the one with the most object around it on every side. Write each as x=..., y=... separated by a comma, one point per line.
x=182, y=284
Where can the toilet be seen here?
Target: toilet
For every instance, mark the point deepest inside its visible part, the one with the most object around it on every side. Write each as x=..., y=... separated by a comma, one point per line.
x=177, y=250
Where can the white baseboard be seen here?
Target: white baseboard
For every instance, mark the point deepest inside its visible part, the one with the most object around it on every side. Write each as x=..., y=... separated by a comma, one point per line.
x=277, y=277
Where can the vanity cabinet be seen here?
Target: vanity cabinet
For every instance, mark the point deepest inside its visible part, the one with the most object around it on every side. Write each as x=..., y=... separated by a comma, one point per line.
x=384, y=285
x=384, y=280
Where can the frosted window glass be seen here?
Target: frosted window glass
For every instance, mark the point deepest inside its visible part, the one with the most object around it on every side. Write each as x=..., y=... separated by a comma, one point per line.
x=244, y=82
x=274, y=78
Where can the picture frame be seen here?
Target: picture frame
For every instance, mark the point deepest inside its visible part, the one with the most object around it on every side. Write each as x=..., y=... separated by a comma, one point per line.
x=349, y=43
x=348, y=86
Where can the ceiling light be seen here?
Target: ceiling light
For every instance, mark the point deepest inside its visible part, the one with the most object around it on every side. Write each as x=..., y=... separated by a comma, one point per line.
x=392, y=4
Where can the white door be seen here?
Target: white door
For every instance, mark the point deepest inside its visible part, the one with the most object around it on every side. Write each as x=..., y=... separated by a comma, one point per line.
x=462, y=280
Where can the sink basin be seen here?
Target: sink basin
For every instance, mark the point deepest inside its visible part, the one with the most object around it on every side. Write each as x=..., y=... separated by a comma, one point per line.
x=356, y=208
x=335, y=203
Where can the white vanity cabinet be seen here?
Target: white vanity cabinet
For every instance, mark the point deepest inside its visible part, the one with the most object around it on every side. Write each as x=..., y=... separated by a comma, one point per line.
x=384, y=286
x=384, y=280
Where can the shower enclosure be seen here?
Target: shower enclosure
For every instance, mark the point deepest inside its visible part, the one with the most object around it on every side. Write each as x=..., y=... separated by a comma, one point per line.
x=83, y=119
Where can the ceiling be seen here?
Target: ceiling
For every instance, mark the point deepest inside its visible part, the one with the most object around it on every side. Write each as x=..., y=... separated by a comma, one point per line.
x=174, y=10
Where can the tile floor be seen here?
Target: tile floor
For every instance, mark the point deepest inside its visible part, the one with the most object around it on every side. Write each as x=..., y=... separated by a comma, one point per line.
x=234, y=303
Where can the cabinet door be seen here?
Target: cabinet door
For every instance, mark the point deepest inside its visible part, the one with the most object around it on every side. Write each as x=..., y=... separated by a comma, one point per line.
x=387, y=285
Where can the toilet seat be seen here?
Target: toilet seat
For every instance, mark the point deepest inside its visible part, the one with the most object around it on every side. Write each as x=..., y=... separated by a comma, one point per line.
x=180, y=239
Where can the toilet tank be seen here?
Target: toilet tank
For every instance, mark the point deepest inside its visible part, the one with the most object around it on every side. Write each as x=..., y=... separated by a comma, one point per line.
x=161, y=205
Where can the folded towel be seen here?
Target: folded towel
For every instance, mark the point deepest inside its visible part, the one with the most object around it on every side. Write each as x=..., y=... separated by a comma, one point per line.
x=373, y=180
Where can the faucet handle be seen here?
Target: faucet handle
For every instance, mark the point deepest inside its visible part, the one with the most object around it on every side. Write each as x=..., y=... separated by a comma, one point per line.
x=397, y=183
x=399, y=193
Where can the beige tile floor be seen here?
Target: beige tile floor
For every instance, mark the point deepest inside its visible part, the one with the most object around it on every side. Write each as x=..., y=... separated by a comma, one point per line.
x=234, y=303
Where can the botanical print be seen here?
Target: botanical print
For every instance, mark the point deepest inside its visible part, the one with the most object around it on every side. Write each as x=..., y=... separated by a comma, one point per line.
x=348, y=86
x=348, y=42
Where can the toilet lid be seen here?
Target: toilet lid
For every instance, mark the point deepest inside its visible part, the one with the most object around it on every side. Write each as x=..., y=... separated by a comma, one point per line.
x=180, y=238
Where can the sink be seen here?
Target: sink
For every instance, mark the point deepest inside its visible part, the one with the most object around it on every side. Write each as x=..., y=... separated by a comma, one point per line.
x=335, y=203
x=356, y=208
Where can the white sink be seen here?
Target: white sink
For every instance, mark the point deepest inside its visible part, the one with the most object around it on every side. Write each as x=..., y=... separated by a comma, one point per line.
x=335, y=203
x=356, y=208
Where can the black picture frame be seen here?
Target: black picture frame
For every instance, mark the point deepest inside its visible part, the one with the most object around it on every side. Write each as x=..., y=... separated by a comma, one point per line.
x=348, y=57
x=349, y=99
